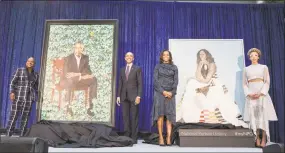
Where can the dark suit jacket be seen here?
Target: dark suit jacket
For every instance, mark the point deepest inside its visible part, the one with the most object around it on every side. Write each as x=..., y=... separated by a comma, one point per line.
x=22, y=87
x=131, y=88
x=70, y=65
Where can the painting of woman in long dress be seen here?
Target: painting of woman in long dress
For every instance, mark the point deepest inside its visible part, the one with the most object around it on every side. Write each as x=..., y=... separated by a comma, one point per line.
x=205, y=98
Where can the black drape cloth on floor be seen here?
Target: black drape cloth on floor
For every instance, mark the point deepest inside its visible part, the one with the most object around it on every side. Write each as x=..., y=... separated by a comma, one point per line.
x=75, y=135
x=153, y=138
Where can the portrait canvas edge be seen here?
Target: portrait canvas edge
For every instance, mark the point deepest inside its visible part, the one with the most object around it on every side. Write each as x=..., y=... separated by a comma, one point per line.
x=48, y=23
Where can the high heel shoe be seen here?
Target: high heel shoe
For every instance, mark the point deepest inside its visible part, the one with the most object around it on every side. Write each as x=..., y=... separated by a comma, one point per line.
x=161, y=142
x=263, y=143
x=168, y=142
x=257, y=143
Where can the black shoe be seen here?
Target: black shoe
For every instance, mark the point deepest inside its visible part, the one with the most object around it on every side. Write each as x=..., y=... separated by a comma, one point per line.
x=168, y=144
x=89, y=112
x=162, y=145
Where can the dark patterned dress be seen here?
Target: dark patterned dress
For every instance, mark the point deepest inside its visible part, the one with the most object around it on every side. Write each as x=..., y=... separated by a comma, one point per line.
x=165, y=79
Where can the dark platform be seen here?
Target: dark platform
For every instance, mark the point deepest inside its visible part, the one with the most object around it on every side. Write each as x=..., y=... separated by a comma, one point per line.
x=216, y=138
x=23, y=144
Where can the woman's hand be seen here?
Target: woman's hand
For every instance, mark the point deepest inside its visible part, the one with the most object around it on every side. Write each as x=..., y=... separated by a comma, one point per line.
x=164, y=93
x=167, y=94
x=254, y=96
x=258, y=95
x=251, y=96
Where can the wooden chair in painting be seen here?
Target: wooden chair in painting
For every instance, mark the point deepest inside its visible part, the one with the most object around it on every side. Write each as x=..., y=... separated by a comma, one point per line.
x=86, y=94
x=57, y=74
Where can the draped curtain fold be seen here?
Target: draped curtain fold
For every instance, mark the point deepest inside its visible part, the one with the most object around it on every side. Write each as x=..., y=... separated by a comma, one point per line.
x=144, y=29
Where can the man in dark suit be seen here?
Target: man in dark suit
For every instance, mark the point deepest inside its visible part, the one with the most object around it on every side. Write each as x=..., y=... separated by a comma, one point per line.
x=77, y=75
x=129, y=93
x=23, y=91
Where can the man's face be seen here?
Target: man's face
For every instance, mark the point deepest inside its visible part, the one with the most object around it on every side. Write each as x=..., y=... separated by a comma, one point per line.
x=30, y=63
x=78, y=49
x=129, y=57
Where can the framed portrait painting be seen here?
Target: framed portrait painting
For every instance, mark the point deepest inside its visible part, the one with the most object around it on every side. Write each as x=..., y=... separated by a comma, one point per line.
x=78, y=70
x=210, y=80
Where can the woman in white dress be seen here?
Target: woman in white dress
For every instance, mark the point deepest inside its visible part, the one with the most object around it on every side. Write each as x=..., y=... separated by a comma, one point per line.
x=259, y=109
x=205, y=98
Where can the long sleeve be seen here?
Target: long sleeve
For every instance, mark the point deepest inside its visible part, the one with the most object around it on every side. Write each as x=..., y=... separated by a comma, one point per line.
x=174, y=87
x=13, y=82
x=139, y=77
x=266, y=78
x=120, y=85
x=36, y=87
x=86, y=68
x=212, y=71
x=157, y=85
x=245, y=84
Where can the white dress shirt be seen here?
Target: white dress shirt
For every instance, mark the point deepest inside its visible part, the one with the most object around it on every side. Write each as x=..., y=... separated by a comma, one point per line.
x=130, y=66
x=77, y=60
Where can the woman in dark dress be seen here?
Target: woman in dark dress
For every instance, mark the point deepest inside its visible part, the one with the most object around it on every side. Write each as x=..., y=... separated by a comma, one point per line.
x=165, y=86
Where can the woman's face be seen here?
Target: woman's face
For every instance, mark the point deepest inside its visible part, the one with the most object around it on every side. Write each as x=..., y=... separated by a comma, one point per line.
x=253, y=56
x=202, y=55
x=165, y=56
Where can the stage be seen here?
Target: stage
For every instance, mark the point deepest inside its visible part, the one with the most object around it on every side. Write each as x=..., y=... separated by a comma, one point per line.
x=79, y=137
x=142, y=147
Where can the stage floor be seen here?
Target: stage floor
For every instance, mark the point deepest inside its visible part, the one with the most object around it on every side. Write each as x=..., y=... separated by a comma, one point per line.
x=142, y=147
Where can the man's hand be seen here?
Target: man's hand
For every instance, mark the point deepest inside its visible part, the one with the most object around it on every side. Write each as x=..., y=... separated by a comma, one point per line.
x=118, y=101
x=138, y=100
x=87, y=77
x=12, y=96
x=72, y=74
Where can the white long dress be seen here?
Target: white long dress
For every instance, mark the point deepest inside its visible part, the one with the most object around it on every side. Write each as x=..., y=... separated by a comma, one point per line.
x=194, y=104
x=260, y=111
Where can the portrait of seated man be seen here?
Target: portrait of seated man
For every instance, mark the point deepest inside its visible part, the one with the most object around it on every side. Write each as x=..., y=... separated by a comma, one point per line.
x=78, y=76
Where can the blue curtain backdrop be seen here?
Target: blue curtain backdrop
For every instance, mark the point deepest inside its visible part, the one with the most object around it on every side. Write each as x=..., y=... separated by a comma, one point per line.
x=144, y=28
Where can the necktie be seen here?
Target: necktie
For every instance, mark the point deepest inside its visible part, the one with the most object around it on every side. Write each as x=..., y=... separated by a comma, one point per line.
x=127, y=72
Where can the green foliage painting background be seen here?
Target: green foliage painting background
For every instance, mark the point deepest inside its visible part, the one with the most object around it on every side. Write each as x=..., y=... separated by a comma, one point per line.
x=98, y=45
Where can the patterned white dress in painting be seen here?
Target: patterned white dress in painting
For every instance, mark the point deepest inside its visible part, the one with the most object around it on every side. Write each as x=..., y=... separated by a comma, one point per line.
x=213, y=106
x=260, y=111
